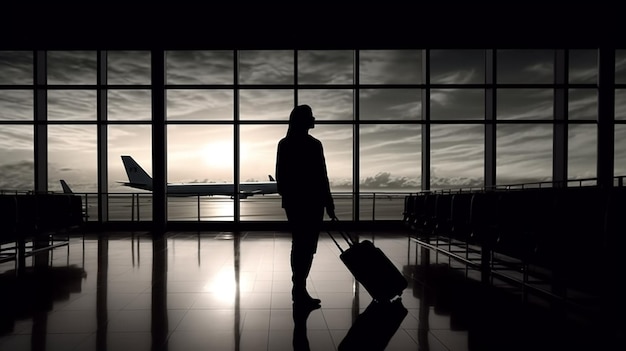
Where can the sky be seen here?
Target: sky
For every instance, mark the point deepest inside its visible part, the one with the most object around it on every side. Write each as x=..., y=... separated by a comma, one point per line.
x=390, y=153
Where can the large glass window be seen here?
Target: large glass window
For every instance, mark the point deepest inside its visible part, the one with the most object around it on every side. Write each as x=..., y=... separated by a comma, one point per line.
x=217, y=97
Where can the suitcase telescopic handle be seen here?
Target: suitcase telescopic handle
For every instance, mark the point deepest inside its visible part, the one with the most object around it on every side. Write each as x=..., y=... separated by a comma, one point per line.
x=344, y=235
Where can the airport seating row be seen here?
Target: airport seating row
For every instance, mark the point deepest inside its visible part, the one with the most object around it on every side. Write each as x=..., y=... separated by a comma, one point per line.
x=33, y=221
x=570, y=235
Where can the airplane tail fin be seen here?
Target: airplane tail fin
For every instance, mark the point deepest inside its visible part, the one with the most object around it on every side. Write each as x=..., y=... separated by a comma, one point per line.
x=137, y=176
x=66, y=188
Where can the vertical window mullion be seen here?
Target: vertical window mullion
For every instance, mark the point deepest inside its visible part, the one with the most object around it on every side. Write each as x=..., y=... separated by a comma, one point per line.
x=40, y=122
x=159, y=142
x=559, y=146
x=102, y=137
x=490, y=118
x=236, y=148
x=356, y=141
x=426, y=118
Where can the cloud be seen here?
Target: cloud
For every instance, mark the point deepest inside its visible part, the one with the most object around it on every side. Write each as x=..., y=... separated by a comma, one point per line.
x=325, y=67
x=266, y=67
x=200, y=67
x=17, y=176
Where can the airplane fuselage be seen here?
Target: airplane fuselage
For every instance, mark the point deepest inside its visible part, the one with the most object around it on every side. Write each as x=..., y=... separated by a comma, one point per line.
x=226, y=189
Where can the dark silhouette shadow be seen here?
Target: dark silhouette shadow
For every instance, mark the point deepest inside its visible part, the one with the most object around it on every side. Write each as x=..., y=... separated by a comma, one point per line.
x=375, y=326
x=498, y=318
x=32, y=293
x=300, y=160
x=160, y=325
x=301, y=313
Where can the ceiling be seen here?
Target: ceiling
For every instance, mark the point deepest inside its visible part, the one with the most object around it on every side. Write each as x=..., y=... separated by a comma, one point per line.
x=318, y=26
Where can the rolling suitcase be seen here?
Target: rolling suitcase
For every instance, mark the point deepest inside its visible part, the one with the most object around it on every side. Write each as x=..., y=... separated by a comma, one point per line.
x=372, y=268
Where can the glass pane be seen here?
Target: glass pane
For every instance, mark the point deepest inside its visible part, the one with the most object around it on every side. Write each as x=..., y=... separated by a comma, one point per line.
x=391, y=157
x=17, y=158
x=200, y=67
x=72, y=156
x=523, y=153
x=337, y=141
x=325, y=67
x=447, y=104
x=457, y=156
x=265, y=104
x=582, y=151
x=329, y=104
x=525, y=104
x=199, y=154
x=620, y=66
x=134, y=141
x=620, y=104
x=620, y=150
x=16, y=67
x=72, y=67
x=129, y=105
x=128, y=67
x=390, y=104
x=457, y=66
x=16, y=105
x=525, y=66
x=72, y=105
x=200, y=105
x=266, y=67
x=583, y=66
x=390, y=67
x=131, y=140
x=583, y=104
x=258, y=162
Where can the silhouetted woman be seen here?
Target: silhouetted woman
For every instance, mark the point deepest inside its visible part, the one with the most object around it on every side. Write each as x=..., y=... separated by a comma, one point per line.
x=302, y=182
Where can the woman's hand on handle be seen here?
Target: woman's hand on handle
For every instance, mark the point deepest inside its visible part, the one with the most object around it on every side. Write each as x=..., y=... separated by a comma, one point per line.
x=331, y=214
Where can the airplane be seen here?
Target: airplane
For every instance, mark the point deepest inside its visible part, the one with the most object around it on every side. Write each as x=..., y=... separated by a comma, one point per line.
x=138, y=178
x=68, y=190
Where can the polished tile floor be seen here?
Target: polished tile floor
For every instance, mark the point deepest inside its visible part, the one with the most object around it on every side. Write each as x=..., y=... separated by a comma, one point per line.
x=222, y=291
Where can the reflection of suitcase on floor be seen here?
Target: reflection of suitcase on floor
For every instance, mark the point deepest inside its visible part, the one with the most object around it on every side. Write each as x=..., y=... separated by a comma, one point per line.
x=374, y=327
x=372, y=268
